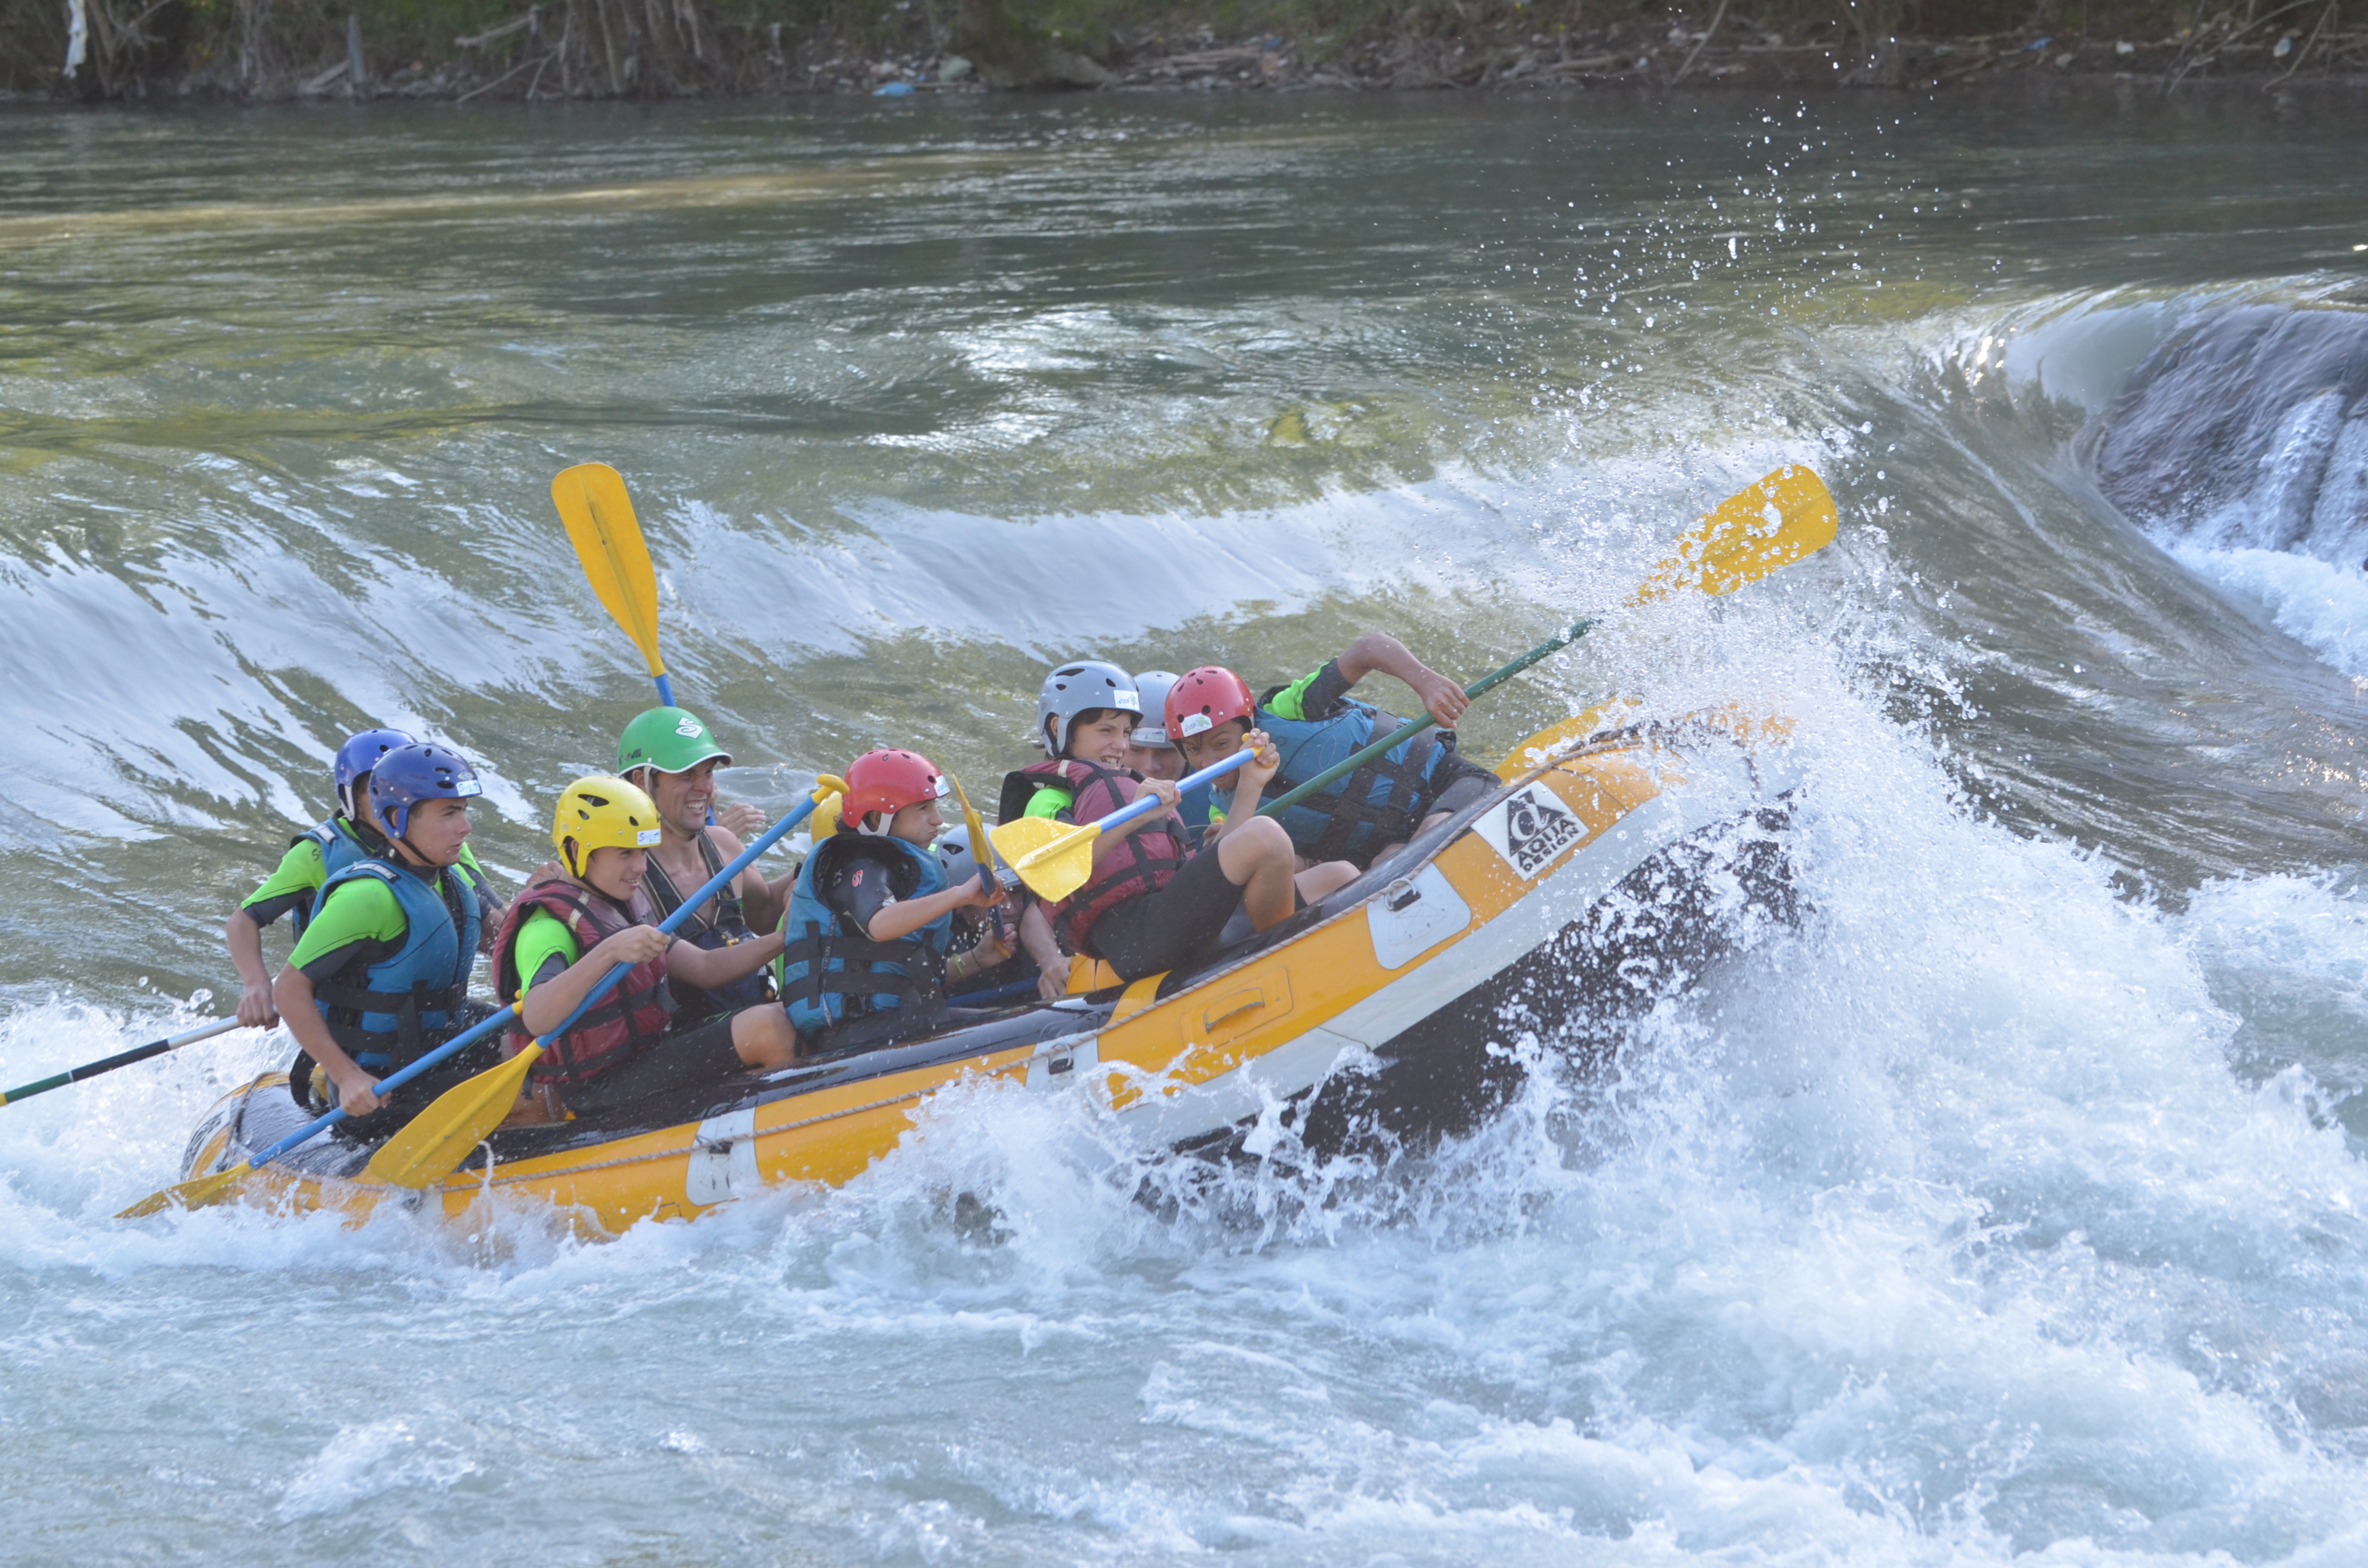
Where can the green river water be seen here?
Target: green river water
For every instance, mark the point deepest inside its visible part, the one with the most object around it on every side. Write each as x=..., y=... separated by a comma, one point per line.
x=2012, y=1210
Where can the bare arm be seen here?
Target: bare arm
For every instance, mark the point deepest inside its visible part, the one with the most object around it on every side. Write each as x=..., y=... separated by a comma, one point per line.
x=993, y=946
x=710, y=966
x=243, y=938
x=1380, y=651
x=549, y=1002
x=357, y=1090
x=1051, y=963
x=489, y=922
x=761, y=902
x=1255, y=776
x=903, y=918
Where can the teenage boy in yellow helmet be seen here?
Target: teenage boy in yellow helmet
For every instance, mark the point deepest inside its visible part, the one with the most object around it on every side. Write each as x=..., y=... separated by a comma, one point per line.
x=673, y=757
x=562, y=937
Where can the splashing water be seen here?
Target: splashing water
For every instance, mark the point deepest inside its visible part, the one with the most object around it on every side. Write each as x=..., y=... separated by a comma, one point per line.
x=2011, y=1207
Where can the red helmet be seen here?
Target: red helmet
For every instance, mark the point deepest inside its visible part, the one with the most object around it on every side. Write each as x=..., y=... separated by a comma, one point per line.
x=888, y=782
x=1206, y=698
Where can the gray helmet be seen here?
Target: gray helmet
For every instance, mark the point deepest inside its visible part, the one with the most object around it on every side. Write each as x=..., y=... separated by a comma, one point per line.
x=1071, y=688
x=954, y=857
x=1153, y=686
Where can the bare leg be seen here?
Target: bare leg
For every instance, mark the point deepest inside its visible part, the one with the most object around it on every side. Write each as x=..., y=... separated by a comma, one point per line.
x=1328, y=878
x=1257, y=857
x=1386, y=850
x=764, y=1038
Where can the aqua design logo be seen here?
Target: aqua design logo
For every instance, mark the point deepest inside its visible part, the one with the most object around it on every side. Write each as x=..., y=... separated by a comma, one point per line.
x=1530, y=829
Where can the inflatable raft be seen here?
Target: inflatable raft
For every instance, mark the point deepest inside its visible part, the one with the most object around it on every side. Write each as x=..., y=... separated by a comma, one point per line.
x=1601, y=877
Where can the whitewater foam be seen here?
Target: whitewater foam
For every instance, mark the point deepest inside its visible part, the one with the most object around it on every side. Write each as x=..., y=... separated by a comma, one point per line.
x=2317, y=603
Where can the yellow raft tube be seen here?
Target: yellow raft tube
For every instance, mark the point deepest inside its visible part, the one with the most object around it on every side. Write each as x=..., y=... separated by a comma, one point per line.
x=1595, y=881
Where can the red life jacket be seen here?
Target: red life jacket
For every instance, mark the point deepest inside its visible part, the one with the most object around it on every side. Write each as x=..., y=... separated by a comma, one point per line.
x=626, y=1022
x=1144, y=861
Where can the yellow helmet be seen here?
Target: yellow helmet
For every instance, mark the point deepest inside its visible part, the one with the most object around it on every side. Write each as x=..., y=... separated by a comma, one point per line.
x=601, y=812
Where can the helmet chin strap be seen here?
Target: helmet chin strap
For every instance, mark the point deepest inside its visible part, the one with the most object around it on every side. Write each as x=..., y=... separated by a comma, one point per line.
x=863, y=824
x=403, y=840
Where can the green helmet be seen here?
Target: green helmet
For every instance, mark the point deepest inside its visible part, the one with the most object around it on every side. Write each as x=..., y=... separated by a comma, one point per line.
x=671, y=740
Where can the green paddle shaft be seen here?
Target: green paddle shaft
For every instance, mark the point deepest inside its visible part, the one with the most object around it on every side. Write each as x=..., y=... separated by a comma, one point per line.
x=1406, y=732
x=121, y=1059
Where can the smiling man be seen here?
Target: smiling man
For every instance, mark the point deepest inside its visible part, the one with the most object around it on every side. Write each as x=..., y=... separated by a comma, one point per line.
x=673, y=757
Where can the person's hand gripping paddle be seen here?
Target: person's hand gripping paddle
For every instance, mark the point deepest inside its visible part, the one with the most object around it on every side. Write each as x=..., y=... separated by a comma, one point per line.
x=1786, y=516
x=978, y=844
x=433, y=1144
x=1054, y=859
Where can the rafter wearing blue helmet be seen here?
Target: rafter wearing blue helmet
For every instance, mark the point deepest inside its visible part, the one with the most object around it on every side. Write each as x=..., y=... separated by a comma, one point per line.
x=347, y=835
x=380, y=975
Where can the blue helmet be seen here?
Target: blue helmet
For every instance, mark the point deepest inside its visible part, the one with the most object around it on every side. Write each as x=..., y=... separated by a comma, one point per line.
x=408, y=775
x=359, y=756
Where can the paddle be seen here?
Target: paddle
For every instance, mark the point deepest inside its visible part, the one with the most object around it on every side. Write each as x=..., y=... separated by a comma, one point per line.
x=206, y=1189
x=978, y=846
x=1056, y=858
x=984, y=856
x=1786, y=516
x=123, y=1059
x=432, y=1144
x=592, y=502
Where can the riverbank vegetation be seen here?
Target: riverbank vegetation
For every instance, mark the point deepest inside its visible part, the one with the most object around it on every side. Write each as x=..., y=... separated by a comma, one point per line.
x=478, y=50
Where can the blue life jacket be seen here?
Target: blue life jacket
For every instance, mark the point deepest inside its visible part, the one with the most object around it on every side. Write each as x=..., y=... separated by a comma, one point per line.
x=1194, y=807
x=827, y=973
x=411, y=998
x=1379, y=803
x=340, y=848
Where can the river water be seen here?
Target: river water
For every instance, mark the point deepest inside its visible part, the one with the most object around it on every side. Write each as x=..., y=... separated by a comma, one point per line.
x=2012, y=1208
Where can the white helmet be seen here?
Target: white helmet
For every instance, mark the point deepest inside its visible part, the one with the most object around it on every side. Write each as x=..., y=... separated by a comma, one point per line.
x=1071, y=688
x=1153, y=686
x=954, y=858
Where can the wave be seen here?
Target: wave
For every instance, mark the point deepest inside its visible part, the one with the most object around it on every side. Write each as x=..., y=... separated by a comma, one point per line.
x=2241, y=444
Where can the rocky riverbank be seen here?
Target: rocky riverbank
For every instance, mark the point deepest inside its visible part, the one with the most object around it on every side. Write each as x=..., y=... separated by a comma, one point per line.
x=476, y=50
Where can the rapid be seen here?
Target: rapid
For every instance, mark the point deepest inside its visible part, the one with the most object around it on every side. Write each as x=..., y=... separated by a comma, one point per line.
x=2012, y=1207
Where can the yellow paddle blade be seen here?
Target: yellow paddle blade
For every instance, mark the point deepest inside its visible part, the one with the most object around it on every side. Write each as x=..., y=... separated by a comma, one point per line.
x=198, y=1193
x=828, y=788
x=978, y=840
x=433, y=1144
x=1773, y=523
x=608, y=538
x=1052, y=858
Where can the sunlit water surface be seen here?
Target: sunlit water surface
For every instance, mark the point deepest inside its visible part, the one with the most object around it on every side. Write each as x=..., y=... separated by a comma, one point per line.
x=2012, y=1207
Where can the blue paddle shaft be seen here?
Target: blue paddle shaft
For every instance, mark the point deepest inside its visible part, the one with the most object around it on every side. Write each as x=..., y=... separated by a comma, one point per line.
x=715, y=884
x=1144, y=806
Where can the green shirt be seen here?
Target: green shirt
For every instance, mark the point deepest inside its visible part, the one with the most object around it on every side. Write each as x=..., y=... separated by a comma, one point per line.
x=543, y=937
x=1050, y=800
x=300, y=875
x=362, y=910
x=1291, y=702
